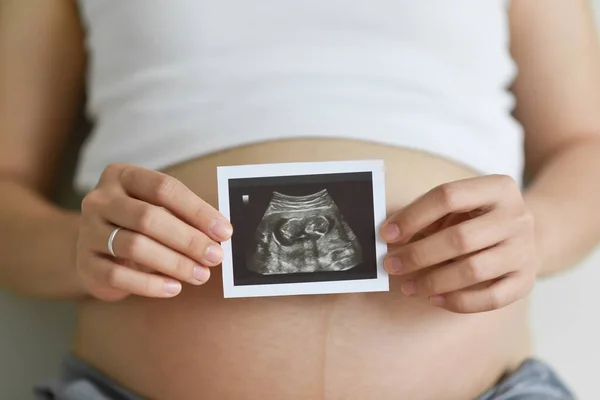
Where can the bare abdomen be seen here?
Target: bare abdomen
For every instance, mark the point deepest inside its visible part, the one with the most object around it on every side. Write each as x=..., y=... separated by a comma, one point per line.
x=351, y=346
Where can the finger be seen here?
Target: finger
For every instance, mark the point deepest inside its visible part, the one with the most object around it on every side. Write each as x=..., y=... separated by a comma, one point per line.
x=480, y=267
x=505, y=291
x=453, y=197
x=145, y=251
x=158, y=224
x=120, y=277
x=165, y=191
x=93, y=281
x=453, y=242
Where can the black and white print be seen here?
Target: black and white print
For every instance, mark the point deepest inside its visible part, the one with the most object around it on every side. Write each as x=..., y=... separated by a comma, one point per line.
x=303, y=228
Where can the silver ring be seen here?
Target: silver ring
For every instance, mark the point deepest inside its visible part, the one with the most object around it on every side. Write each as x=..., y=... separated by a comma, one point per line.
x=111, y=239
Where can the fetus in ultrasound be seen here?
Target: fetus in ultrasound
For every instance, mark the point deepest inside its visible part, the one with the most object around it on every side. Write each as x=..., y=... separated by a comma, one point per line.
x=303, y=234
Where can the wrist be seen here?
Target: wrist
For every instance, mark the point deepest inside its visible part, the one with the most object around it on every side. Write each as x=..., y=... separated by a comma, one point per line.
x=58, y=235
x=539, y=207
x=74, y=287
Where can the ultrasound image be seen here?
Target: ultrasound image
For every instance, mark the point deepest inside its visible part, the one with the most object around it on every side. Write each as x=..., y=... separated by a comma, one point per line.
x=303, y=229
x=300, y=234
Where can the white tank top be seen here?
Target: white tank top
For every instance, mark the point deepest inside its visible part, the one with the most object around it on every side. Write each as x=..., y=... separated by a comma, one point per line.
x=174, y=80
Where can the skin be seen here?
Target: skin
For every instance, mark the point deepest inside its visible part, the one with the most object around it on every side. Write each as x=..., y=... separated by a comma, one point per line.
x=465, y=244
x=478, y=253
x=166, y=228
x=326, y=347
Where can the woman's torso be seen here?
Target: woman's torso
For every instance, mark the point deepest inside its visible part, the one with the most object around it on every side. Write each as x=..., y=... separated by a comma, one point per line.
x=442, y=94
x=171, y=81
x=351, y=346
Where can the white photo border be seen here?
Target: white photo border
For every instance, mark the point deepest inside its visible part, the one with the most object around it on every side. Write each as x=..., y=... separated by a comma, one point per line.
x=376, y=167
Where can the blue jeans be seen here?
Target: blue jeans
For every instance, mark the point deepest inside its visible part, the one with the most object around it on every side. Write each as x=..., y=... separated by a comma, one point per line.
x=533, y=380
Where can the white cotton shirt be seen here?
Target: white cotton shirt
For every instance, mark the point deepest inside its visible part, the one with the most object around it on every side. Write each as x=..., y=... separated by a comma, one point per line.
x=173, y=80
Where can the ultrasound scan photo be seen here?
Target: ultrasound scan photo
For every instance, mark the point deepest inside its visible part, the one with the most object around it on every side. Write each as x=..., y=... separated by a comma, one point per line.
x=303, y=233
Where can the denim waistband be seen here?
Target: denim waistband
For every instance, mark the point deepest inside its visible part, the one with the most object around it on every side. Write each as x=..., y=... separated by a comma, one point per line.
x=533, y=380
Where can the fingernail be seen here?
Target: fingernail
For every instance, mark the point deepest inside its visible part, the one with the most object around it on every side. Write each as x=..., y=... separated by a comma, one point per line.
x=172, y=287
x=437, y=300
x=201, y=274
x=409, y=288
x=214, y=254
x=390, y=232
x=222, y=229
x=394, y=265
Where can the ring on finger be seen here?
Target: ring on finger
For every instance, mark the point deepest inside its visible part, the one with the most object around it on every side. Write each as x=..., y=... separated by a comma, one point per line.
x=111, y=239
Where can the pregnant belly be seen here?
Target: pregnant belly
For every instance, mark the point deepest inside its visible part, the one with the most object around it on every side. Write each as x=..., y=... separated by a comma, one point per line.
x=352, y=346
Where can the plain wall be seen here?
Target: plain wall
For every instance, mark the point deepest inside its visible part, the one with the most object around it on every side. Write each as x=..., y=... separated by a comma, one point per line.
x=34, y=335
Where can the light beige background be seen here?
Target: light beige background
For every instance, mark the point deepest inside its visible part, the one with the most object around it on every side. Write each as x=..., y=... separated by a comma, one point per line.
x=34, y=335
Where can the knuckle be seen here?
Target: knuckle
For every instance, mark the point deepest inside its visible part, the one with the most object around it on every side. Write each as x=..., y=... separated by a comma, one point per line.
x=124, y=174
x=530, y=282
x=448, y=195
x=113, y=277
x=92, y=201
x=200, y=213
x=406, y=223
x=164, y=186
x=526, y=219
x=460, y=238
x=494, y=298
x=506, y=181
x=460, y=302
x=192, y=244
x=146, y=219
x=183, y=267
x=473, y=270
x=114, y=168
x=132, y=246
x=413, y=257
x=527, y=287
x=112, y=172
x=430, y=284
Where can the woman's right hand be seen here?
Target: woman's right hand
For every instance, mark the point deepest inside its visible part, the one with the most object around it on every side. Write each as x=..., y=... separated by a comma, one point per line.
x=169, y=235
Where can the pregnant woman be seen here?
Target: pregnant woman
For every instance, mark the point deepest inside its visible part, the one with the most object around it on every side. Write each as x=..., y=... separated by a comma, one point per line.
x=461, y=99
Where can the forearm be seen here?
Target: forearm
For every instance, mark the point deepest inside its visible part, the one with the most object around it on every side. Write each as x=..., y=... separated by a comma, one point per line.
x=564, y=198
x=37, y=245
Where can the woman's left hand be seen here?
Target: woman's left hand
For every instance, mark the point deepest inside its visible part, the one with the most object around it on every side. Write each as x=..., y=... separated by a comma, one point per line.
x=468, y=245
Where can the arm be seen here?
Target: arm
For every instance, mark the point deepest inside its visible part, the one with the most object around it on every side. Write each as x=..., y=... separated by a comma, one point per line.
x=483, y=243
x=558, y=93
x=49, y=252
x=41, y=69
